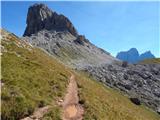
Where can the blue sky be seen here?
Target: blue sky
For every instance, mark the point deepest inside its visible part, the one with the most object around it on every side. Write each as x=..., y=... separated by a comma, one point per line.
x=113, y=26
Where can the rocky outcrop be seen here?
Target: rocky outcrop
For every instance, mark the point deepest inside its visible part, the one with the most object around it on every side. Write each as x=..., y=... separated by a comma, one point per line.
x=133, y=56
x=81, y=40
x=140, y=81
x=135, y=101
x=40, y=17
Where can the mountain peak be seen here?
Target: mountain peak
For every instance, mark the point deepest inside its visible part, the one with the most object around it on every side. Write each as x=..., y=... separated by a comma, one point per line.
x=133, y=49
x=148, y=52
x=38, y=12
x=40, y=17
x=145, y=55
x=133, y=56
x=38, y=5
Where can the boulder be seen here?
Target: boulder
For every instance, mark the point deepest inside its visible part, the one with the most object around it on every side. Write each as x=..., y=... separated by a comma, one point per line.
x=124, y=64
x=126, y=86
x=158, y=110
x=125, y=76
x=135, y=101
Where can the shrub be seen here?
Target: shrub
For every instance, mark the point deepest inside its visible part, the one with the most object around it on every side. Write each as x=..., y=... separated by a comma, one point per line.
x=41, y=103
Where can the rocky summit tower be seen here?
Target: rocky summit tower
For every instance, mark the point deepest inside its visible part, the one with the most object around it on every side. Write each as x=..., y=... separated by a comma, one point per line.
x=40, y=17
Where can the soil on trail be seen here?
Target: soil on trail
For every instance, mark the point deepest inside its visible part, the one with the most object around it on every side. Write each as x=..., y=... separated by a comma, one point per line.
x=38, y=114
x=72, y=110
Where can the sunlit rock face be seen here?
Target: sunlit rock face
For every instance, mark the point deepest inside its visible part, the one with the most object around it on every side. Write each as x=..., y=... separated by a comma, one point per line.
x=40, y=17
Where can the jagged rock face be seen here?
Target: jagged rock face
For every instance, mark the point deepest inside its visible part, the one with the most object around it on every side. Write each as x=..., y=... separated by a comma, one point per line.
x=81, y=40
x=41, y=17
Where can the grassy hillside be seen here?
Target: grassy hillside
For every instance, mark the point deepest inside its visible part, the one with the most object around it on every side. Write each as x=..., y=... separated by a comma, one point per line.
x=31, y=79
x=151, y=61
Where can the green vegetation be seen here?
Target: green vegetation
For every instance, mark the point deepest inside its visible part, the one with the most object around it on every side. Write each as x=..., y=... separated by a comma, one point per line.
x=54, y=113
x=103, y=103
x=32, y=79
x=151, y=61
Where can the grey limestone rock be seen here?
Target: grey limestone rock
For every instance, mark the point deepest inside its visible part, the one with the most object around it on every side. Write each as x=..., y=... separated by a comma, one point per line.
x=40, y=17
x=139, y=79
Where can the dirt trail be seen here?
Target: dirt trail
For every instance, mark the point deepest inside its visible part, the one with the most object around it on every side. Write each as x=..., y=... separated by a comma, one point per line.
x=38, y=114
x=72, y=110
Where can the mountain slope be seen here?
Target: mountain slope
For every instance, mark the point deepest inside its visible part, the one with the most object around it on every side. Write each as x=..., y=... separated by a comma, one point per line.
x=31, y=79
x=146, y=55
x=73, y=49
x=140, y=81
x=132, y=56
x=104, y=103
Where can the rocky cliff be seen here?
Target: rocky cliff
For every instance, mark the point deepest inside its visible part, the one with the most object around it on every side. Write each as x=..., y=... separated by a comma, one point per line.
x=41, y=17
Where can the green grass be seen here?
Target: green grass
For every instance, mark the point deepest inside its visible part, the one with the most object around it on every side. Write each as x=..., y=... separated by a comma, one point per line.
x=151, y=61
x=29, y=80
x=54, y=113
x=32, y=79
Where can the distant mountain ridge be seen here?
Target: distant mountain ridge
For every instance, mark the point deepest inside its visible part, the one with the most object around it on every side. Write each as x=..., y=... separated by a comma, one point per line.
x=133, y=56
